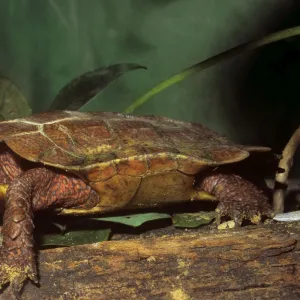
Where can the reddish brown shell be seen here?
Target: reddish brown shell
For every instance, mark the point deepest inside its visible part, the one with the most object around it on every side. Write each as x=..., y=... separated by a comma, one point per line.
x=117, y=143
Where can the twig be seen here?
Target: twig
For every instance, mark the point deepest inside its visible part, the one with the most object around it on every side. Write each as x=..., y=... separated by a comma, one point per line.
x=281, y=177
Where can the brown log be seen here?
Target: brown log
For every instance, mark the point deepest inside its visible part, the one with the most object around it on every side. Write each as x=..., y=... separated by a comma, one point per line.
x=254, y=262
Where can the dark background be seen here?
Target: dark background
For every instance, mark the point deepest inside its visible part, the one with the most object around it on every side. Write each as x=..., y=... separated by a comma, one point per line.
x=252, y=99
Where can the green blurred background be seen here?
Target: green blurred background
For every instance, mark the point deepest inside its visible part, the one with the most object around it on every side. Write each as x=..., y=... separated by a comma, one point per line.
x=252, y=99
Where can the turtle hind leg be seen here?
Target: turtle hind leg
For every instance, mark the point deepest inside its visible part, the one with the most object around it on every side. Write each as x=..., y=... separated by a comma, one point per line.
x=238, y=198
x=33, y=190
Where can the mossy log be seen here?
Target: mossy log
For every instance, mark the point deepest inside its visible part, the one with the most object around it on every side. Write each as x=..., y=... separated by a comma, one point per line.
x=254, y=262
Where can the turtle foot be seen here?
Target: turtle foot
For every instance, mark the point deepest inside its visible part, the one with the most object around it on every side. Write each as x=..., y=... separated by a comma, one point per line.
x=239, y=211
x=15, y=269
x=238, y=198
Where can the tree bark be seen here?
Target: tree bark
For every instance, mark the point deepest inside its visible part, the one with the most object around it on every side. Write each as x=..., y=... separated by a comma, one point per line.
x=254, y=262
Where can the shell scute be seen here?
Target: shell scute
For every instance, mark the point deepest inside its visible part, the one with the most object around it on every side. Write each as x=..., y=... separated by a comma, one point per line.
x=22, y=143
x=82, y=137
x=135, y=133
x=162, y=163
x=191, y=166
x=116, y=191
x=132, y=167
x=100, y=172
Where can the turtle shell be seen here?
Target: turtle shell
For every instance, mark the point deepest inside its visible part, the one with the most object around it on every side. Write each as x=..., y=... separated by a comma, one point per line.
x=115, y=151
x=76, y=140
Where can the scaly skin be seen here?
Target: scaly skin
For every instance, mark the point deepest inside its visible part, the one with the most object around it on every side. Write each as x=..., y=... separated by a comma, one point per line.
x=10, y=166
x=35, y=189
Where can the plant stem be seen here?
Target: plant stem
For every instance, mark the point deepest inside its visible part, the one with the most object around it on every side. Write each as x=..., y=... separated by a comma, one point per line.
x=271, y=38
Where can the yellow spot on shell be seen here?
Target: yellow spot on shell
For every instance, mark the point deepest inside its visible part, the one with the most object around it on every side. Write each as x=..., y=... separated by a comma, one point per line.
x=99, y=149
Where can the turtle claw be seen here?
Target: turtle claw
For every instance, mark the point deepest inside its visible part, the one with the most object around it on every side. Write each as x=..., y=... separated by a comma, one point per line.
x=255, y=218
x=15, y=272
x=239, y=212
x=16, y=286
x=237, y=222
x=15, y=277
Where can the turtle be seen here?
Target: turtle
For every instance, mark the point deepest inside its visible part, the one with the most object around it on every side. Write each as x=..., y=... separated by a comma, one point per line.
x=79, y=163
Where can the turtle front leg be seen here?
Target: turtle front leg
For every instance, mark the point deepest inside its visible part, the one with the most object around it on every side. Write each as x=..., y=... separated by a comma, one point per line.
x=238, y=198
x=34, y=190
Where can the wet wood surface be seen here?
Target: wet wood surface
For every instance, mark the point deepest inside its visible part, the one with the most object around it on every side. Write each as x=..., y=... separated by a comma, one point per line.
x=255, y=262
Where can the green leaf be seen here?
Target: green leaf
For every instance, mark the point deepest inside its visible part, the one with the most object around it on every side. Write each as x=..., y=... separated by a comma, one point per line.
x=86, y=86
x=135, y=220
x=192, y=220
x=13, y=103
x=78, y=237
x=214, y=60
